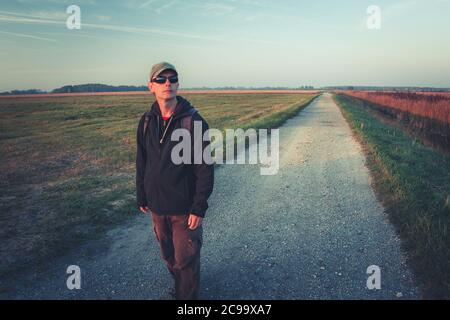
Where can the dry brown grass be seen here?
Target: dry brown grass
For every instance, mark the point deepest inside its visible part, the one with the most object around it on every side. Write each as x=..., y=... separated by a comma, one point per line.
x=431, y=105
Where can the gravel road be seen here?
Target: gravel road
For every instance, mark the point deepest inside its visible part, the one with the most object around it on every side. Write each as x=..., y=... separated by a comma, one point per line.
x=309, y=232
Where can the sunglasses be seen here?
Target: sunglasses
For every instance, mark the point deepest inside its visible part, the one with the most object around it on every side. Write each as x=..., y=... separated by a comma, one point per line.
x=162, y=80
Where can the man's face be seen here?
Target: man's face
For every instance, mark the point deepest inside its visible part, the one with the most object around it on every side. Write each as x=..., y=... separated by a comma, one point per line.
x=166, y=90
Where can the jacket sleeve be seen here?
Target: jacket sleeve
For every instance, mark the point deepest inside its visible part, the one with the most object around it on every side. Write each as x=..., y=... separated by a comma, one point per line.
x=141, y=157
x=204, y=179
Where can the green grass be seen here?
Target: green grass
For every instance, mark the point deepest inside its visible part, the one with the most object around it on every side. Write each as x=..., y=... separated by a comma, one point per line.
x=67, y=163
x=413, y=181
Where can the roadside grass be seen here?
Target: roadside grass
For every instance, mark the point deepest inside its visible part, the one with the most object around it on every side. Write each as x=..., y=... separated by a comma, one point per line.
x=419, y=114
x=67, y=164
x=413, y=182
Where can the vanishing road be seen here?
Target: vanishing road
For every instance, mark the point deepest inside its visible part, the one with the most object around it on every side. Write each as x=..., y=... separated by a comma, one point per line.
x=309, y=232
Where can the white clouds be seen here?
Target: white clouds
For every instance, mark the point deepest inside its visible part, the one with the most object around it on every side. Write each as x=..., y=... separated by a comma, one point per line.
x=191, y=7
x=147, y=3
x=217, y=9
x=156, y=6
x=78, y=2
x=54, y=15
x=246, y=2
x=22, y=35
x=22, y=18
x=25, y=19
x=162, y=8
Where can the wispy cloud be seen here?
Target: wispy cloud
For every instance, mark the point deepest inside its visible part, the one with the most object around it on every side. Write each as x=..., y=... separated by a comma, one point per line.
x=26, y=18
x=217, y=9
x=157, y=6
x=164, y=7
x=23, y=18
x=28, y=36
x=147, y=3
x=137, y=30
x=71, y=34
x=54, y=15
x=78, y=2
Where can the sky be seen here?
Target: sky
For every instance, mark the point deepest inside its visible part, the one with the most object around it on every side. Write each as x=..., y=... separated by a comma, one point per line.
x=249, y=43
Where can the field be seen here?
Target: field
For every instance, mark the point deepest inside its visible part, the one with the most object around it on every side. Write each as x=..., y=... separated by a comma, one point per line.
x=430, y=105
x=413, y=182
x=424, y=115
x=67, y=163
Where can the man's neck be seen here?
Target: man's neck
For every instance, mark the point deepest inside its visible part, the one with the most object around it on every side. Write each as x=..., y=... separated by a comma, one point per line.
x=167, y=107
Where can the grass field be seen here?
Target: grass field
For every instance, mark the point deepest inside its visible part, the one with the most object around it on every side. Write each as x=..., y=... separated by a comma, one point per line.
x=67, y=163
x=413, y=182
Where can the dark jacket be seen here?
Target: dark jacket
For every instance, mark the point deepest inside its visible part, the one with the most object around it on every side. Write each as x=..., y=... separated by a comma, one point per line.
x=165, y=187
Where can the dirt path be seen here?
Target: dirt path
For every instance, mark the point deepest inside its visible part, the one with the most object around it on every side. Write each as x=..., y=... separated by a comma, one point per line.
x=309, y=232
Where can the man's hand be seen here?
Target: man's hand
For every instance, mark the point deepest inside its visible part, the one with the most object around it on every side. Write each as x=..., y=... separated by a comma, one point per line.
x=194, y=221
x=144, y=209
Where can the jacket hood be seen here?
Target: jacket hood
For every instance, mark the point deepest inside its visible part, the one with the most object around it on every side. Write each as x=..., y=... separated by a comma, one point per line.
x=181, y=110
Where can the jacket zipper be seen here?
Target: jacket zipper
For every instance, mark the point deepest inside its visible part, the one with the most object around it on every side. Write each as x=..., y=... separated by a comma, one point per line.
x=157, y=117
x=165, y=130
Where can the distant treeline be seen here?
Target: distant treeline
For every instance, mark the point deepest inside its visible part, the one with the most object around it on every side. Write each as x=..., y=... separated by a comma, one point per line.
x=90, y=87
x=29, y=91
x=97, y=87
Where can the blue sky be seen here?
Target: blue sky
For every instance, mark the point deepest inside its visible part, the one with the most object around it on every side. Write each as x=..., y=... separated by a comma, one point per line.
x=225, y=43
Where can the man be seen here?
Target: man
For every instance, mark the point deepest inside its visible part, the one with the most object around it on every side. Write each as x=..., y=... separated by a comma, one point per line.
x=175, y=194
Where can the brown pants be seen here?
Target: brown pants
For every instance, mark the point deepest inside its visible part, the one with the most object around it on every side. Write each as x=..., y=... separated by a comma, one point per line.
x=180, y=249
